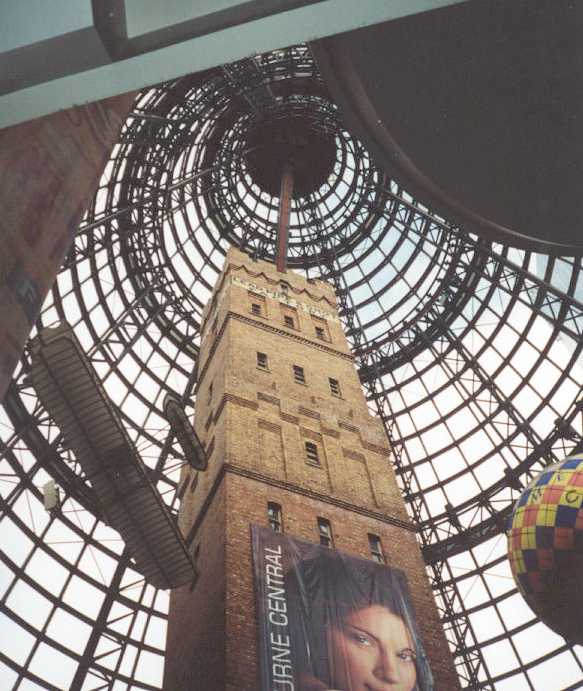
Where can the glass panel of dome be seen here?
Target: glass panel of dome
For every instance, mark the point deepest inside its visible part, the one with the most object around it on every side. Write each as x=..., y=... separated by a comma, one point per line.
x=136, y=283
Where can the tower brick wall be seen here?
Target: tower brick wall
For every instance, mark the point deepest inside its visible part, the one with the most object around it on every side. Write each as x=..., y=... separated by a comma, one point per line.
x=254, y=420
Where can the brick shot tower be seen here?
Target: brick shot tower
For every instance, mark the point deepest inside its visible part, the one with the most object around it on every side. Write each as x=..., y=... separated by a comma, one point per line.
x=291, y=444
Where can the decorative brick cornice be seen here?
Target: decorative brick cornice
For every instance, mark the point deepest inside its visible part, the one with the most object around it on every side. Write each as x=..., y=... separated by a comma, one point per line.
x=276, y=281
x=274, y=400
x=294, y=419
x=348, y=426
x=191, y=535
x=308, y=413
x=353, y=455
x=266, y=424
x=230, y=467
x=237, y=400
x=293, y=336
x=381, y=450
x=264, y=327
x=220, y=408
x=212, y=350
x=210, y=448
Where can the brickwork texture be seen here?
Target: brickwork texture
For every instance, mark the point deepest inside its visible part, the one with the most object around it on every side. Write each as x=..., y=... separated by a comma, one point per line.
x=254, y=414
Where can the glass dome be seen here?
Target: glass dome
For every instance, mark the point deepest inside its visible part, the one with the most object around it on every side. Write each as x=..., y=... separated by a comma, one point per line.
x=469, y=351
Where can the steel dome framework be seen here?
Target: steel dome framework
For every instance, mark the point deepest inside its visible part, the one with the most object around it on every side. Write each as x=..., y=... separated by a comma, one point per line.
x=469, y=351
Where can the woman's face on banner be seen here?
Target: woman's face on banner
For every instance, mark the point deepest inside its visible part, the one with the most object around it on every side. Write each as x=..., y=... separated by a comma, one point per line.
x=372, y=650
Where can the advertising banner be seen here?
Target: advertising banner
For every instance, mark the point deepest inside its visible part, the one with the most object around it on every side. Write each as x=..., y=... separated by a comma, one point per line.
x=333, y=622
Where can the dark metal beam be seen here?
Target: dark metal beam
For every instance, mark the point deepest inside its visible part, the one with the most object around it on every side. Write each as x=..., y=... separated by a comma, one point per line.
x=285, y=197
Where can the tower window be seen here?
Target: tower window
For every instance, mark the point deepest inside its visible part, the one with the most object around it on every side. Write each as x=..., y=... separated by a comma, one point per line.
x=311, y=453
x=210, y=396
x=325, y=531
x=334, y=387
x=376, y=548
x=290, y=317
x=257, y=304
x=299, y=374
x=274, y=517
x=262, y=361
x=320, y=328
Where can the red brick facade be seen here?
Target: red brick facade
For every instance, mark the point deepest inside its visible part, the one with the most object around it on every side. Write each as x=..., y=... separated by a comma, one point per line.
x=254, y=415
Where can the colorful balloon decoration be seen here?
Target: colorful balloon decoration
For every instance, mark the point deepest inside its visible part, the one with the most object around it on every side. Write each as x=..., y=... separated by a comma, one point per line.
x=545, y=546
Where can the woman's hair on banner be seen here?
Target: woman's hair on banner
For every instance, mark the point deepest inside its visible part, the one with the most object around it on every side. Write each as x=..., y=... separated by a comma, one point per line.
x=349, y=622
